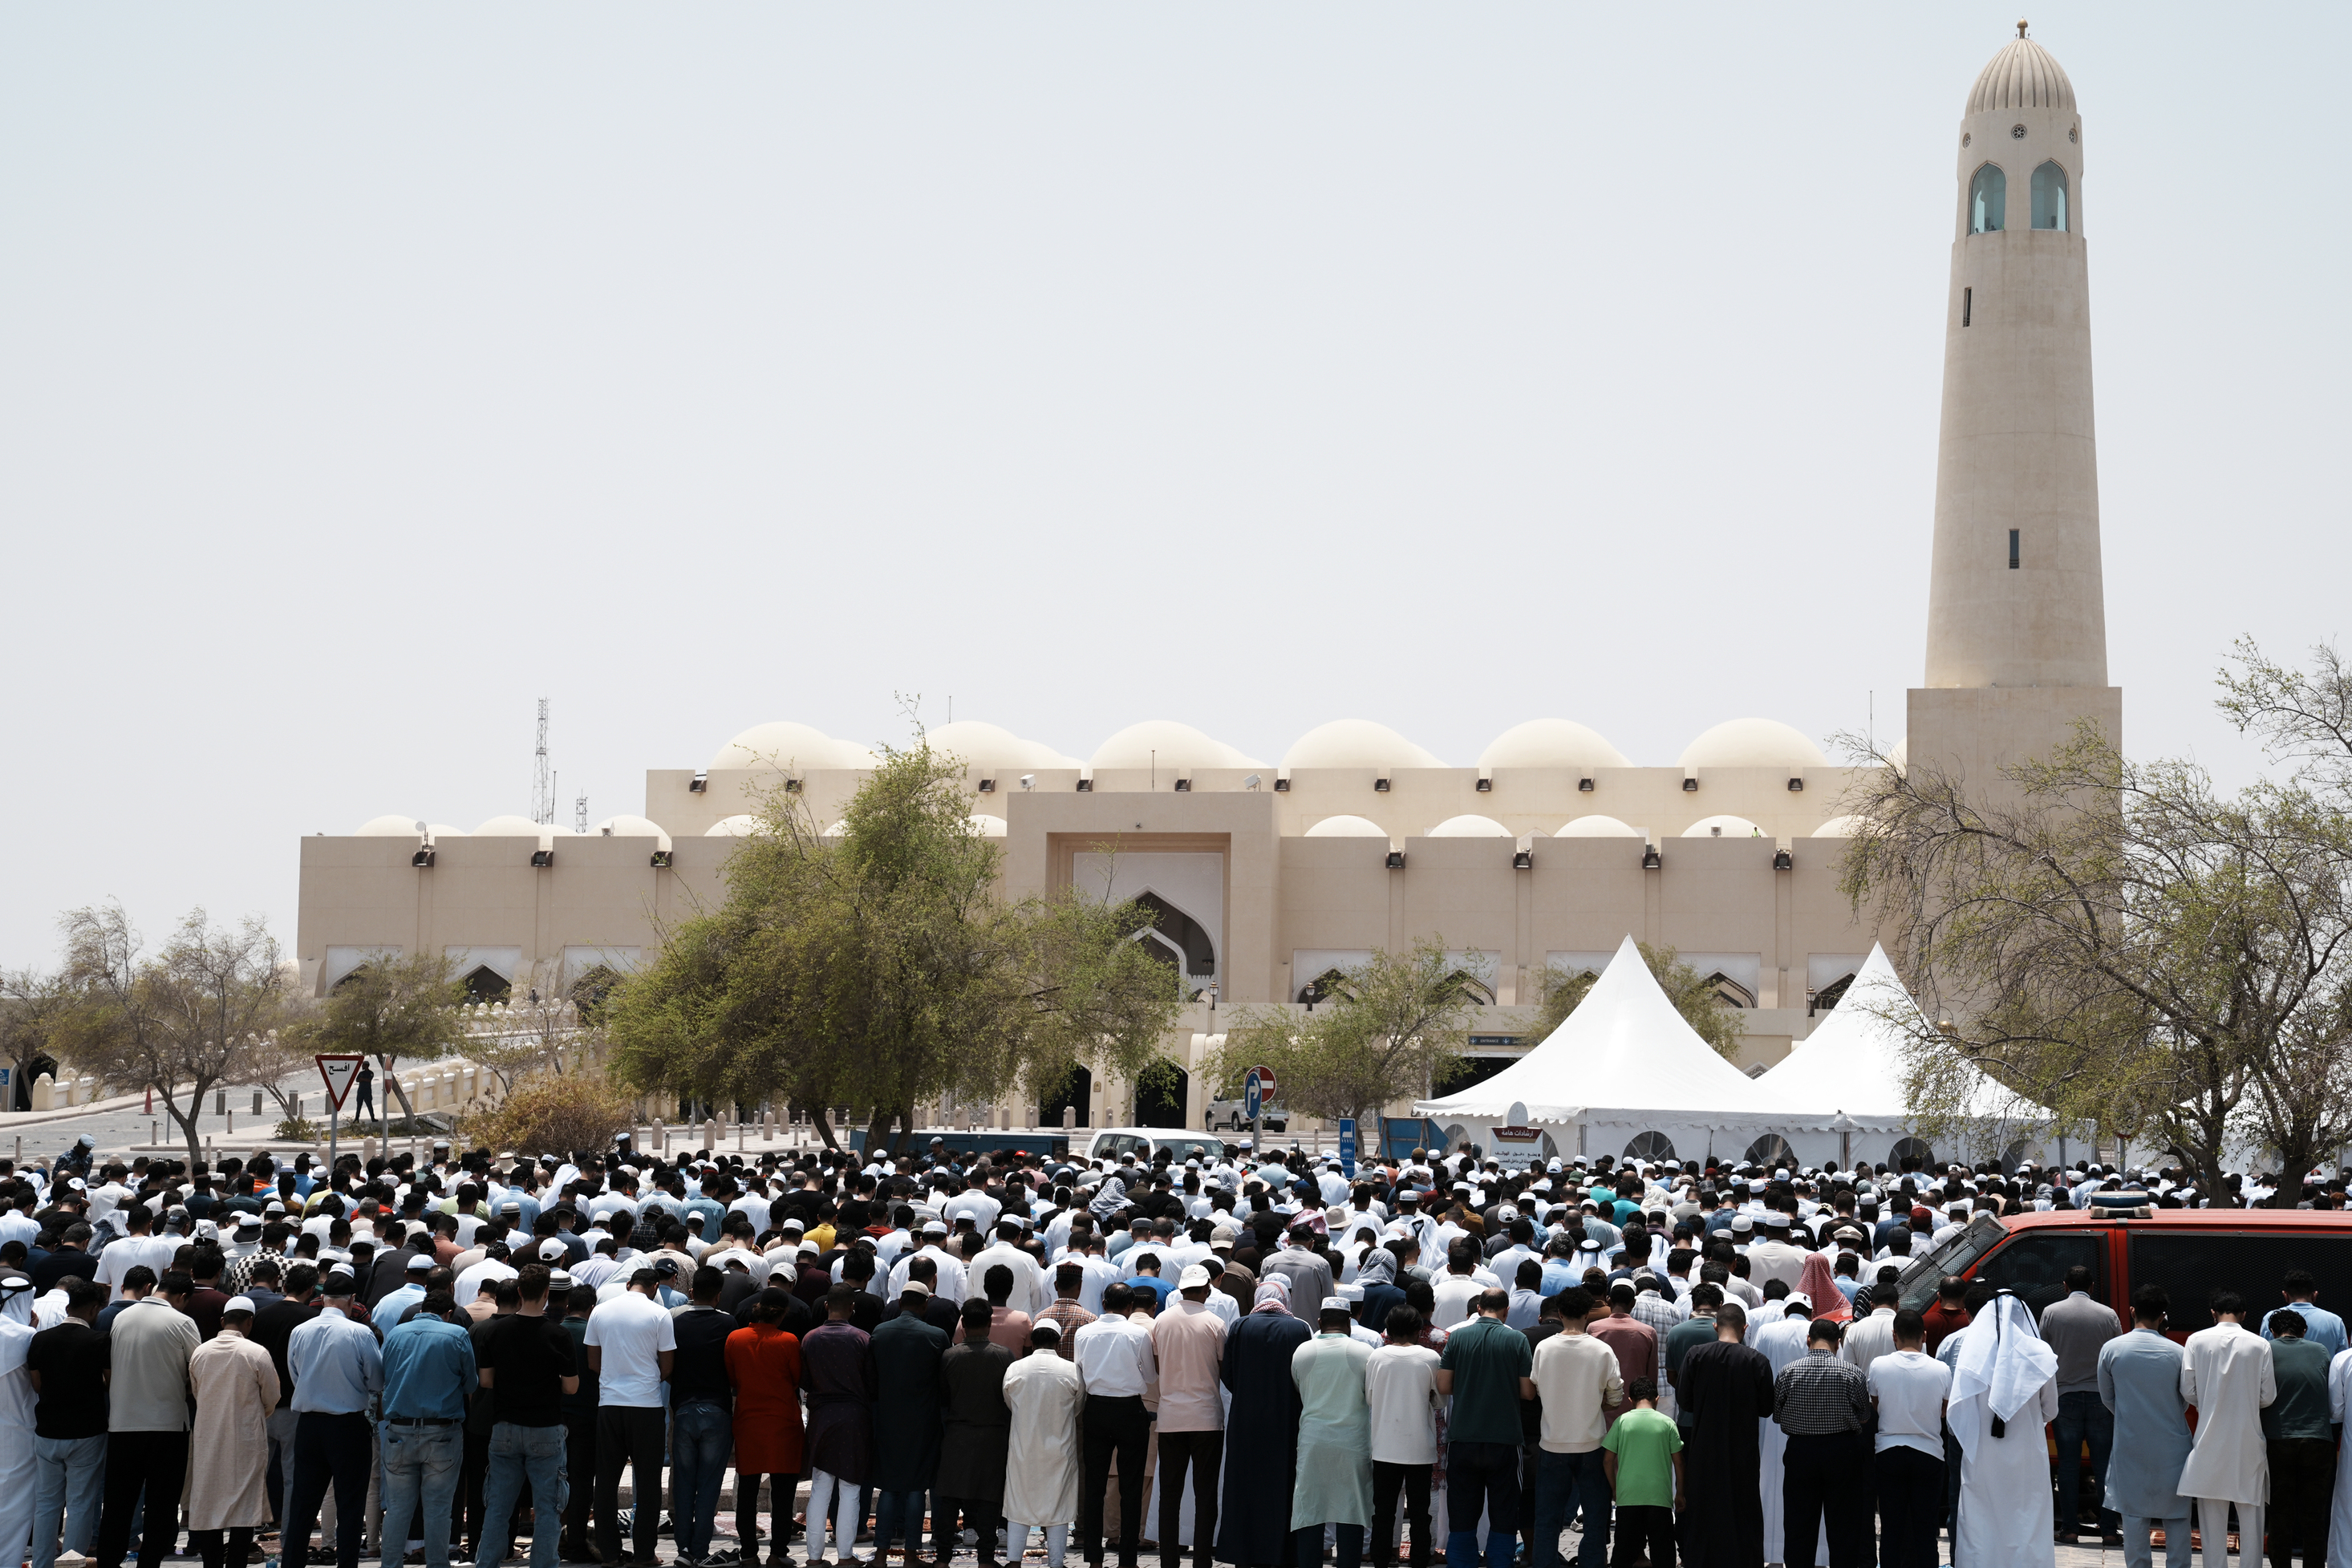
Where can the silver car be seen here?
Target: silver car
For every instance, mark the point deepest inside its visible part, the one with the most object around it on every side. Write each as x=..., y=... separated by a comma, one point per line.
x=1233, y=1116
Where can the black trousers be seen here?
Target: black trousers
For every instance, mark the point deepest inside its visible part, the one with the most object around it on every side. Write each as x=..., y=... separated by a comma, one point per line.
x=219, y=1553
x=1827, y=1473
x=980, y=1515
x=329, y=1450
x=2303, y=1488
x=1910, y=1499
x=1114, y=1424
x=780, y=1513
x=631, y=1435
x=1482, y=1477
x=1644, y=1530
x=1201, y=1452
x=580, y=1464
x=157, y=1461
x=1387, y=1482
x=469, y=1507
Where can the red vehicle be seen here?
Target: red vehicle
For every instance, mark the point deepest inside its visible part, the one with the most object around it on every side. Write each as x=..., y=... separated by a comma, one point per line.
x=2189, y=1251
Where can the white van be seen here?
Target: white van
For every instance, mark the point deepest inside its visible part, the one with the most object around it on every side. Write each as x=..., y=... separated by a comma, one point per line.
x=1145, y=1142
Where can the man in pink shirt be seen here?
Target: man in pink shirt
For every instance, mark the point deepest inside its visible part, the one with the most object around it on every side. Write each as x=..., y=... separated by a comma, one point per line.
x=1189, y=1340
x=1635, y=1341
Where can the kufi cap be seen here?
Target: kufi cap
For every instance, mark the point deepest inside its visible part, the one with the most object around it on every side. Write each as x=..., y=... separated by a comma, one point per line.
x=1334, y=1304
x=559, y=1279
x=1193, y=1278
x=273, y=1207
x=935, y=1228
x=1743, y=1223
x=420, y=1264
x=914, y=1288
x=248, y=1222
x=1044, y=1328
x=238, y=1304
x=793, y=1222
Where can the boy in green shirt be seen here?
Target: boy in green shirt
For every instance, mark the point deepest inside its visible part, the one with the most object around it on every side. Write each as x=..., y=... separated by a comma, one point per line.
x=1643, y=1456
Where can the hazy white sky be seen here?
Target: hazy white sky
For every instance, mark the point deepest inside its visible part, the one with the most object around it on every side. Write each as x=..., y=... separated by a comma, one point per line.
x=369, y=373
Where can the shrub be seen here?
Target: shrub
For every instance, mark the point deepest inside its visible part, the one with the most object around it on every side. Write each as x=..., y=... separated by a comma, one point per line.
x=557, y=1113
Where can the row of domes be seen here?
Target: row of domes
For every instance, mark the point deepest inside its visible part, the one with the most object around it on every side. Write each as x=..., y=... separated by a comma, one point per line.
x=1594, y=827
x=1347, y=743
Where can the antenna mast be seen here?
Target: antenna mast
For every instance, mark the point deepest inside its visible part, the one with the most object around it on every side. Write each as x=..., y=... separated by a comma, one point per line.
x=543, y=782
x=580, y=816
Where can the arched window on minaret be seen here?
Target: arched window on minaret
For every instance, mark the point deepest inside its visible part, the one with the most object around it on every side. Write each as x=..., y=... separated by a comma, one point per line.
x=1988, y=201
x=2049, y=198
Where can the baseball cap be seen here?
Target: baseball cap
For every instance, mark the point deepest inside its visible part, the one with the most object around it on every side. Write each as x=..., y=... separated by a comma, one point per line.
x=551, y=1250
x=1193, y=1278
x=914, y=1288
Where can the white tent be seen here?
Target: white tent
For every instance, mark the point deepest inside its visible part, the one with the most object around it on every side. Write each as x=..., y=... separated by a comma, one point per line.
x=1626, y=1075
x=1854, y=1060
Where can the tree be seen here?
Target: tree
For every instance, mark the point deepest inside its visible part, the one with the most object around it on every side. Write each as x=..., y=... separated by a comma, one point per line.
x=1390, y=1029
x=2121, y=944
x=31, y=1003
x=881, y=967
x=193, y=1014
x=391, y=1007
x=1693, y=994
x=559, y=1114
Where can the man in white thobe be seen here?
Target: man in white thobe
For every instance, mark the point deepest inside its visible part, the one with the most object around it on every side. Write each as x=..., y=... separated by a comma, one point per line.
x=1046, y=1458
x=2225, y=1373
x=16, y=1400
x=2004, y=1391
x=1779, y=1340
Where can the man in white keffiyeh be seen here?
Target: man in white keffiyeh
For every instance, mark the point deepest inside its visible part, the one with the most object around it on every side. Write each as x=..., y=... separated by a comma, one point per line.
x=2004, y=1391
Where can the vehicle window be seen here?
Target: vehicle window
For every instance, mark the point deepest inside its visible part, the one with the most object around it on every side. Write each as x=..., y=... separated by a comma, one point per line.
x=2034, y=1263
x=1183, y=1149
x=1956, y=1256
x=2192, y=1264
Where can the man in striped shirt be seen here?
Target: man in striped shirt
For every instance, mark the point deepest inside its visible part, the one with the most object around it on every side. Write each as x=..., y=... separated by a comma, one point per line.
x=1823, y=1404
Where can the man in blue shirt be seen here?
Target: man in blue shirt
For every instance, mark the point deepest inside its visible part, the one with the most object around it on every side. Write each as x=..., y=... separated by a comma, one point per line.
x=2320, y=1326
x=396, y=1302
x=428, y=1371
x=336, y=1369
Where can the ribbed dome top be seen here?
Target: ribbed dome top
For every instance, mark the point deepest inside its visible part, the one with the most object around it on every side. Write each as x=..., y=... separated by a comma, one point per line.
x=2022, y=76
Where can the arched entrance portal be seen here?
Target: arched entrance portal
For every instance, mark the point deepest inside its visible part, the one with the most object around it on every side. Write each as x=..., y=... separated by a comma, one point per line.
x=487, y=985
x=1159, y=1097
x=1077, y=1089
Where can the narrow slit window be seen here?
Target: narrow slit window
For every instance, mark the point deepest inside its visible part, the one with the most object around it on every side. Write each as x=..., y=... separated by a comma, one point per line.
x=2012, y=550
x=1968, y=304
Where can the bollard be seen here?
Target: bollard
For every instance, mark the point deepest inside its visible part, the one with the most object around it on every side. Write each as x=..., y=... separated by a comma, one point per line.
x=151, y=1135
x=257, y=1101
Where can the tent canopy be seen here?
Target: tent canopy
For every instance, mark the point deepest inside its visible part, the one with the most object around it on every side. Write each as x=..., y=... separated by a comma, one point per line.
x=1623, y=1047
x=1854, y=1060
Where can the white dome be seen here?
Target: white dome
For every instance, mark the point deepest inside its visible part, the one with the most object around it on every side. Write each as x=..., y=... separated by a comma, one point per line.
x=1837, y=828
x=741, y=827
x=1347, y=828
x=394, y=827
x=512, y=827
x=1550, y=743
x=1899, y=755
x=993, y=751
x=1753, y=743
x=982, y=826
x=796, y=746
x=628, y=827
x=1596, y=827
x=1356, y=743
x=436, y=831
x=1724, y=826
x=1180, y=747
x=1470, y=827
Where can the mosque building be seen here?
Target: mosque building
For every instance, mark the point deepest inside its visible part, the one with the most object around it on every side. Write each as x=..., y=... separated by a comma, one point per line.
x=1546, y=852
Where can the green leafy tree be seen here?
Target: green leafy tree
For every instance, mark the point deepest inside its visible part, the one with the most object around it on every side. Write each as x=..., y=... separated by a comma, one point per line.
x=395, y=1006
x=882, y=968
x=1693, y=994
x=1392, y=1027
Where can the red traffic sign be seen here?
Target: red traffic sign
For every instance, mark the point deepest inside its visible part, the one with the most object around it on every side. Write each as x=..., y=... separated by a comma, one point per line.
x=1264, y=1080
x=339, y=1071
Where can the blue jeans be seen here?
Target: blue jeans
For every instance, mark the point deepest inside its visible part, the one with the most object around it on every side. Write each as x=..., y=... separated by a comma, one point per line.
x=68, y=1475
x=2083, y=1417
x=520, y=1454
x=1567, y=1485
x=897, y=1513
x=1481, y=1478
x=701, y=1437
x=419, y=1460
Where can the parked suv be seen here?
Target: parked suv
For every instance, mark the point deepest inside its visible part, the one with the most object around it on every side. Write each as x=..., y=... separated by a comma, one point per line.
x=1233, y=1116
x=1144, y=1143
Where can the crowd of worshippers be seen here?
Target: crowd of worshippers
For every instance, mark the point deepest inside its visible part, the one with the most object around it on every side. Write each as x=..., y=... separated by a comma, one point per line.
x=1258, y=1360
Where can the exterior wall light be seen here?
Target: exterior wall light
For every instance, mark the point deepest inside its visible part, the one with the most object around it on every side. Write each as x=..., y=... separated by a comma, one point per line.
x=423, y=859
x=542, y=857
x=1184, y=785
x=1028, y=781
x=661, y=859
x=1380, y=786
x=1523, y=860
x=699, y=782
x=1650, y=859
x=1282, y=783
x=988, y=786
x=1485, y=785
x=1796, y=786
x=1690, y=785
x=1584, y=786
x=1396, y=859
x=1783, y=860
x=791, y=786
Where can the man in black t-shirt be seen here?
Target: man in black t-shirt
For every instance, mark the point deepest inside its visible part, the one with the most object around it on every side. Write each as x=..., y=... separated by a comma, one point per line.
x=273, y=1325
x=702, y=1413
x=530, y=1367
x=68, y=1365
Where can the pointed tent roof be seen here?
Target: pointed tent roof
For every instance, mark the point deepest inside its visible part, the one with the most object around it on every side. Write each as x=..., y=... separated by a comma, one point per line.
x=1625, y=1047
x=1854, y=1060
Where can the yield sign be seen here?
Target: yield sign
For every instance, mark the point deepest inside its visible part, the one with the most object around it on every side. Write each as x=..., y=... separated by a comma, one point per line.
x=339, y=1071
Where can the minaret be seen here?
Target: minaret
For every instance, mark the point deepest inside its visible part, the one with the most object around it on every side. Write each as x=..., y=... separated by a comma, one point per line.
x=2017, y=641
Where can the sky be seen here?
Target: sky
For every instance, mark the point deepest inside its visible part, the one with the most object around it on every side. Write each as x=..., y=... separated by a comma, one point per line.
x=371, y=372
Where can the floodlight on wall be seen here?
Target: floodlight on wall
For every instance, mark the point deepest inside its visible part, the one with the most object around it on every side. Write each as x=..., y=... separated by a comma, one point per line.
x=1396, y=859
x=1690, y=785
x=1086, y=785
x=1523, y=860
x=1184, y=785
x=423, y=859
x=988, y=786
x=542, y=857
x=1584, y=786
x=1251, y=782
x=661, y=859
x=1485, y=782
x=1650, y=858
x=1783, y=860
x=1380, y=786
x=1282, y=783
x=1796, y=786
x=1028, y=781
x=791, y=786
x=608, y=832
x=699, y=782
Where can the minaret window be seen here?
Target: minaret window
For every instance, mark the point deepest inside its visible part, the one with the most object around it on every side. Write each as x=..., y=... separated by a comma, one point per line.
x=2049, y=198
x=1988, y=201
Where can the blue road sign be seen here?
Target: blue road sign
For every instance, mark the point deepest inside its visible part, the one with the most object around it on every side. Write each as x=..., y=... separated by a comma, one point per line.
x=1348, y=1148
x=1251, y=1101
